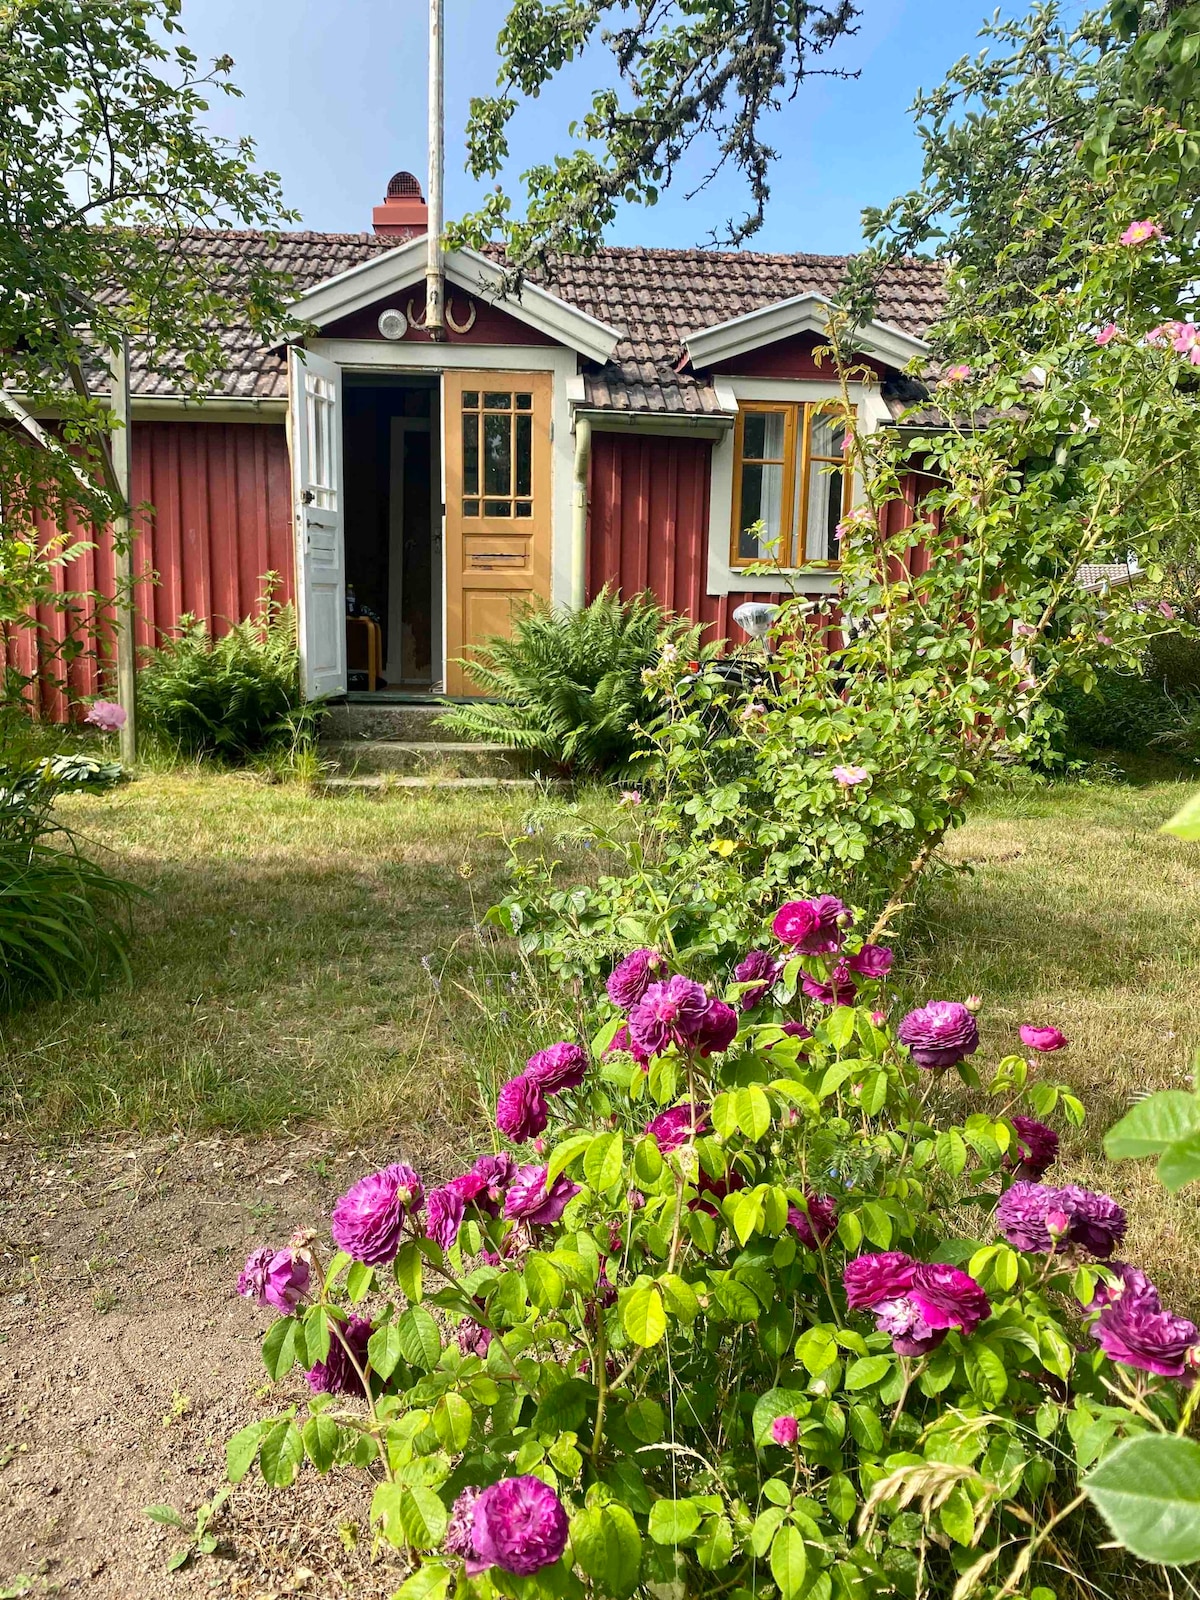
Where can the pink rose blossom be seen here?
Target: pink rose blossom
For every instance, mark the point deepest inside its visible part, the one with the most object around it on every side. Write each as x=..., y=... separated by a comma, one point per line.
x=958, y=373
x=368, y=1219
x=1106, y=334
x=849, y=776
x=518, y=1525
x=1141, y=232
x=785, y=1430
x=529, y=1200
x=521, y=1109
x=276, y=1278
x=107, y=716
x=669, y=1013
x=560, y=1066
x=1043, y=1039
x=811, y=926
x=677, y=1126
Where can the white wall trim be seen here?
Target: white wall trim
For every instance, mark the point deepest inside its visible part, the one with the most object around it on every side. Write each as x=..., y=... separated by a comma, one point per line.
x=404, y=267
x=804, y=313
x=724, y=578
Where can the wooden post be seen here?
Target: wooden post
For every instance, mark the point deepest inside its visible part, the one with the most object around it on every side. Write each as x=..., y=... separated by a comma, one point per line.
x=121, y=444
x=435, y=283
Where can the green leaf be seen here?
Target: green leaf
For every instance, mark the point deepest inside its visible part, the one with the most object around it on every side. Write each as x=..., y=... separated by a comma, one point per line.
x=383, y=1350
x=752, y=1110
x=840, y=1497
x=320, y=1434
x=647, y=1162
x=1180, y=1164
x=1185, y=824
x=957, y=1515
x=1153, y=1124
x=420, y=1342
x=839, y=1026
x=164, y=1514
x=279, y=1347
x=241, y=1451
x=776, y=1403
x=281, y=1454
x=452, y=1421
x=544, y=1282
x=563, y=1154
x=679, y=1296
x=607, y=1545
x=431, y=1581
x=646, y=1421
x=817, y=1349
x=563, y=1410
x=410, y=1272
x=423, y=1517
x=672, y=1521
x=789, y=1559
x=867, y=1370
x=176, y=1560
x=605, y=1161
x=316, y=1335
x=985, y=1372
x=642, y=1315
x=1148, y=1491
x=358, y=1281
x=951, y=1152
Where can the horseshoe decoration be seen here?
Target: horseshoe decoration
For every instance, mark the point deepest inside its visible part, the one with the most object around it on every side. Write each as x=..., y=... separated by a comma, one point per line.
x=457, y=327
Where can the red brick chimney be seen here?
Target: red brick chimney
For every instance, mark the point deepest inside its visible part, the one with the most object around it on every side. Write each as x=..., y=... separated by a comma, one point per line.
x=404, y=214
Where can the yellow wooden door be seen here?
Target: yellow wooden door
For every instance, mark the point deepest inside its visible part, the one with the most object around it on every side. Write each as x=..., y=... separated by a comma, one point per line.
x=498, y=522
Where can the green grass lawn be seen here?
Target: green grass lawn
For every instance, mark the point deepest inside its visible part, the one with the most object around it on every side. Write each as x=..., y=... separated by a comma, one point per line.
x=279, y=973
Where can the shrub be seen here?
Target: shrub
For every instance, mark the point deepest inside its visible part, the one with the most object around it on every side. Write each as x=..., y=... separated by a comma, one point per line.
x=568, y=685
x=1131, y=711
x=754, y=1314
x=233, y=697
x=61, y=916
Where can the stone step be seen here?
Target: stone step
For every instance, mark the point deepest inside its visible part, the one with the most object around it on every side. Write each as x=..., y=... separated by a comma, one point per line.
x=420, y=757
x=382, y=784
x=410, y=723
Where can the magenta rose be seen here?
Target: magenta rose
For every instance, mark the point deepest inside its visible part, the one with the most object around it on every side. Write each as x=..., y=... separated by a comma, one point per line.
x=473, y=1338
x=521, y=1109
x=940, y=1034
x=785, y=1430
x=839, y=990
x=444, y=1209
x=1039, y=1219
x=1037, y=1147
x=630, y=978
x=529, y=1200
x=812, y=926
x=904, y=1320
x=948, y=1298
x=1044, y=1040
x=872, y=961
x=460, y=1527
x=669, y=1013
x=718, y=1030
x=1098, y=1223
x=677, y=1126
x=337, y=1374
x=761, y=969
x=621, y=1040
x=1131, y=1282
x=817, y=1224
x=1137, y=1334
x=870, y=1280
x=485, y=1185
x=797, y=1030
x=560, y=1066
x=368, y=1219
x=277, y=1278
x=519, y=1525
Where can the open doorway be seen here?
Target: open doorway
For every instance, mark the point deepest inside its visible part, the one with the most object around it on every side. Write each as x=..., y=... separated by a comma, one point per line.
x=393, y=527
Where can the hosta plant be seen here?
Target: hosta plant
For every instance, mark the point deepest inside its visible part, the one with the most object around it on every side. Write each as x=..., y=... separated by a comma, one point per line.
x=756, y=1295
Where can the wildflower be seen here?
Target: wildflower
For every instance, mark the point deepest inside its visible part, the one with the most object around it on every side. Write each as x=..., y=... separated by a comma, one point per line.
x=560, y=1066
x=1103, y=638
x=1024, y=630
x=677, y=1126
x=530, y=1200
x=1045, y=1040
x=718, y=1029
x=755, y=965
x=869, y=1280
x=1138, y=233
x=861, y=517
x=444, y=1209
x=521, y=1109
x=940, y=1034
x=485, y=1184
x=630, y=797
x=669, y=1013
x=817, y=1222
x=1187, y=341
x=1037, y=1147
x=1106, y=334
x=368, y=1219
x=840, y=989
x=1165, y=333
x=958, y=373
x=785, y=1430
x=1166, y=609
x=107, y=716
x=275, y=1278
x=1039, y=1219
x=848, y=777
x=871, y=961
x=811, y=926
x=631, y=977
x=668, y=654
x=518, y=1525
x=338, y=1373
x=1139, y=1334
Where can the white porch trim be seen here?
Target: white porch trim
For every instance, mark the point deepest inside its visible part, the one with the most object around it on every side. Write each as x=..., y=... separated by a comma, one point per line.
x=404, y=267
x=804, y=313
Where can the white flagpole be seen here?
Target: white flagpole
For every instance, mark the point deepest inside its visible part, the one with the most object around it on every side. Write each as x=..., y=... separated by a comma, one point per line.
x=434, y=276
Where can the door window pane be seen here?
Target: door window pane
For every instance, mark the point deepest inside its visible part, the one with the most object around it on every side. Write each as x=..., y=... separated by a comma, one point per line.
x=763, y=436
x=524, y=508
x=470, y=508
x=524, y=402
x=497, y=455
x=497, y=402
x=470, y=423
x=524, y=452
x=497, y=508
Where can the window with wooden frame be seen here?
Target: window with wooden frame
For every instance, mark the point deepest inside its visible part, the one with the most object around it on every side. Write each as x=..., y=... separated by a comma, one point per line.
x=790, y=485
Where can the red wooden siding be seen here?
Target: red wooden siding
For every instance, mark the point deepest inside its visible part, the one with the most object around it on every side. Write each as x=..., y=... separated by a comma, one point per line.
x=491, y=324
x=791, y=357
x=220, y=517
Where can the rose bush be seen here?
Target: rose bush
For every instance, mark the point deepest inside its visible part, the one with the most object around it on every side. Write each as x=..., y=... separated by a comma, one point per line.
x=743, y=1309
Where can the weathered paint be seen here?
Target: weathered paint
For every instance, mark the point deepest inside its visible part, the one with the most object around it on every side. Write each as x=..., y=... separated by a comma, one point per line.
x=216, y=517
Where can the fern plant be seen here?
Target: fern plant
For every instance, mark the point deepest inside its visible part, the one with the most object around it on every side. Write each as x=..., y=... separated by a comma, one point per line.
x=566, y=686
x=233, y=697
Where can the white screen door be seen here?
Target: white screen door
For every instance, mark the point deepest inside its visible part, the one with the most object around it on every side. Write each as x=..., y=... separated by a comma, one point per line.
x=315, y=393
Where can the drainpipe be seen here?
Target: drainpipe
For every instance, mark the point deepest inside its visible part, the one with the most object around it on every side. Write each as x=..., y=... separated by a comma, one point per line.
x=579, y=512
x=435, y=282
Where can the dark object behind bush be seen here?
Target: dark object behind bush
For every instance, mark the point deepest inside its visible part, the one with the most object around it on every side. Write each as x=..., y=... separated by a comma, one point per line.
x=568, y=684
x=234, y=697
x=61, y=916
x=1129, y=712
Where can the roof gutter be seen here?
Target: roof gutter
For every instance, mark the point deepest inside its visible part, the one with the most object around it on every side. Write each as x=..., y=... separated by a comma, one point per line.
x=711, y=425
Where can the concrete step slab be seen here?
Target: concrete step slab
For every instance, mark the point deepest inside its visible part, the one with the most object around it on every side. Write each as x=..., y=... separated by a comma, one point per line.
x=451, y=758
x=382, y=784
x=355, y=720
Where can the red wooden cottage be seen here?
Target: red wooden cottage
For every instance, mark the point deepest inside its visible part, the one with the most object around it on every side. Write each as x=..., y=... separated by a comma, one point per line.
x=626, y=423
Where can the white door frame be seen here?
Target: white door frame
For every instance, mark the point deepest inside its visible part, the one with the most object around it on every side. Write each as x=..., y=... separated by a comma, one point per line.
x=318, y=515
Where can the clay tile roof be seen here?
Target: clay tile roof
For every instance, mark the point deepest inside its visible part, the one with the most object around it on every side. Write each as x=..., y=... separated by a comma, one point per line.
x=656, y=296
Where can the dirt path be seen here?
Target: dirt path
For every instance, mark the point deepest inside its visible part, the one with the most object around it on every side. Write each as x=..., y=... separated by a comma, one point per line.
x=127, y=1361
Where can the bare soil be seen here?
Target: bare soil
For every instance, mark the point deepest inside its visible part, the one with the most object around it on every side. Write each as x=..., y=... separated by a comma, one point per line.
x=127, y=1361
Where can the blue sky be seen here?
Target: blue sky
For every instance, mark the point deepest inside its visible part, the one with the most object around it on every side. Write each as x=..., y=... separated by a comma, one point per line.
x=335, y=99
